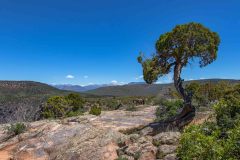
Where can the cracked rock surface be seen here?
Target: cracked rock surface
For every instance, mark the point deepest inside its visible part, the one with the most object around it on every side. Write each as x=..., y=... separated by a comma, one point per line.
x=78, y=138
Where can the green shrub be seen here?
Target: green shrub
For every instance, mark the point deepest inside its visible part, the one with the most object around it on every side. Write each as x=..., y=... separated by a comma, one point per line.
x=55, y=107
x=95, y=110
x=228, y=112
x=168, y=109
x=218, y=140
x=75, y=101
x=131, y=108
x=16, y=129
x=195, y=144
x=232, y=145
x=63, y=106
x=112, y=104
x=122, y=158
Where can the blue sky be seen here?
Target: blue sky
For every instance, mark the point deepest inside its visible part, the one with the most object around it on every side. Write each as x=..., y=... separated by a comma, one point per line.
x=82, y=42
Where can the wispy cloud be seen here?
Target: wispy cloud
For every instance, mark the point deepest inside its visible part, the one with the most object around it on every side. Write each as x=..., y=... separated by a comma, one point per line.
x=115, y=82
x=139, y=77
x=85, y=77
x=70, y=76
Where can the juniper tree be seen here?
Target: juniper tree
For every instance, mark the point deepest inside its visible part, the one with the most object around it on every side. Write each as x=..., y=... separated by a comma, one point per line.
x=174, y=51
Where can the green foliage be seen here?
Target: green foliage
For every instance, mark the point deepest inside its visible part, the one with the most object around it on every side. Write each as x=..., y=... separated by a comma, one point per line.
x=215, y=140
x=75, y=101
x=232, y=145
x=208, y=93
x=55, y=107
x=228, y=111
x=63, y=106
x=195, y=144
x=131, y=108
x=121, y=158
x=16, y=129
x=95, y=110
x=168, y=109
x=178, y=48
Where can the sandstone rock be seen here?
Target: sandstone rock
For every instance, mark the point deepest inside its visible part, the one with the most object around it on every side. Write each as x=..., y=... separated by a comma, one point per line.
x=141, y=148
x=86, y=137
x=170, y=138
x=127, y=157
x=164, y=150
x=146, y=131
x=170, y=157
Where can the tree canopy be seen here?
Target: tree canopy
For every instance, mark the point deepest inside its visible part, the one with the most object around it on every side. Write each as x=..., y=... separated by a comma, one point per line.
x=179, y=47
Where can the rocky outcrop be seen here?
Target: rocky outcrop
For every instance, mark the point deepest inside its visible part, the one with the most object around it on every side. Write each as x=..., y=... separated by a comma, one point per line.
x=167, y=143
x=90, y=137
x=85, y=138
x=137, y=147
x=143, y=147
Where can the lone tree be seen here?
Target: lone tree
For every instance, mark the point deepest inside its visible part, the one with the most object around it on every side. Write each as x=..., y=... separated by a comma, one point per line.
x=174, y=51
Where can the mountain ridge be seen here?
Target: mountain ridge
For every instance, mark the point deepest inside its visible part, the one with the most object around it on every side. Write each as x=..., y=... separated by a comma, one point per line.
x=148, y=89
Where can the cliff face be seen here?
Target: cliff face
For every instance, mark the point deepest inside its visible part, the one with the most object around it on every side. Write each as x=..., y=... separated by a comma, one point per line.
x=21, y=100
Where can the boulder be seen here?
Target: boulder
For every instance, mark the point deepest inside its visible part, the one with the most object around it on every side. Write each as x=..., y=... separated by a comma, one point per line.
x=170, y=157
x=170, y=138
x=165, y=150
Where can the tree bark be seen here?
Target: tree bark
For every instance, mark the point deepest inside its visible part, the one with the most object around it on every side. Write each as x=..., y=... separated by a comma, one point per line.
x=188, y=110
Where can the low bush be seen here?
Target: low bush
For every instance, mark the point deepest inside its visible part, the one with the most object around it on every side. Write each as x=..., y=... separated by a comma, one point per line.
x=131, y=108
x=16, y=129
x=95, y=110
x=168, y=109
x=228, y=112
x=63, y=106
x=218, y=140
x=121, y=158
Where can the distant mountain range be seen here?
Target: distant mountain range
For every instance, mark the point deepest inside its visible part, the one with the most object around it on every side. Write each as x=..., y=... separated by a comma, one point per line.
x=79, y=88
x=133, y=88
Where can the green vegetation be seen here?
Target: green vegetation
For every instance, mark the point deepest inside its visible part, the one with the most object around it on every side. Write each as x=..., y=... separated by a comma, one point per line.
x=121, y=158
x=168, y=109
x=208, y=93
x=95, y=110
x=22, y=100
x=16, y=129
x=215, y=139
x=131, y=108
x=174, y=51
x=115, y=103
x=63, y=106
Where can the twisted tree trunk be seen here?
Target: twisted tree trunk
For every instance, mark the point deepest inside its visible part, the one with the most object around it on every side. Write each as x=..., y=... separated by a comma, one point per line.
x=188, y=110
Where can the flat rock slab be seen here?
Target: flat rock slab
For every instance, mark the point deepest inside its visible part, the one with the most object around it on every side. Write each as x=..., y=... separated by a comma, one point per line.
x=125, y=120
x=79, y=138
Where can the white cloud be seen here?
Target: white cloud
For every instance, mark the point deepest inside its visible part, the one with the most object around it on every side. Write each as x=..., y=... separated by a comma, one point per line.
x=139, y=77
x=70, y=76
x=122, y=83
x=202, y=78
x=85, y=77
x=114, y=82
x=159, y=82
